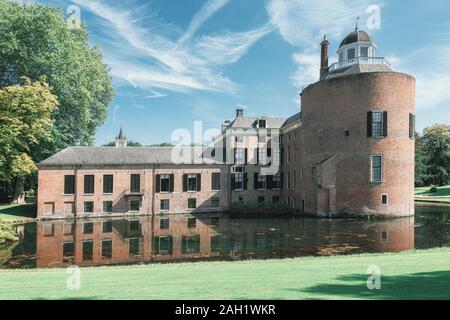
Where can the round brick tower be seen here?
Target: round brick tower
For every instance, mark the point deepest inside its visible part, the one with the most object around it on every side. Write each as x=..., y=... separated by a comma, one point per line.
x=358, y=136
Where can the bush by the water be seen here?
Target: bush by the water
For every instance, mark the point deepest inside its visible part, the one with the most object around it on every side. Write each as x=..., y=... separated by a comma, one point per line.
x=7, y=232
x=433, y=189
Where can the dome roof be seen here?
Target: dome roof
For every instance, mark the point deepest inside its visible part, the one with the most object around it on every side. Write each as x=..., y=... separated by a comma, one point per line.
x=356, y=36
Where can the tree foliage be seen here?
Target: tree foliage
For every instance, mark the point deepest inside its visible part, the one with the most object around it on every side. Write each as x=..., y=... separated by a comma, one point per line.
x=36, y=41
x=129, y=144
x=26, y=124
x=433, y=156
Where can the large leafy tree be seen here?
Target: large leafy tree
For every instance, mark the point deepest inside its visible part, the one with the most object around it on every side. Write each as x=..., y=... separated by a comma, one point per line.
x=422, y=176
x=436, y=145
x=26, y=126
x=37, y=41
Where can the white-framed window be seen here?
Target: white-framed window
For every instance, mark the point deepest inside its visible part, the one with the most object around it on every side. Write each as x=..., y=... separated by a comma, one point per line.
x=341, y=56
x=239, y=181
x=377, y=124
x=192, y=182
x=277, y=181
x=239, y=139
x=239, y=156
x=351, y=53
x=165, y=205
x=262, y=156
x=377, y=169
x=364, y=52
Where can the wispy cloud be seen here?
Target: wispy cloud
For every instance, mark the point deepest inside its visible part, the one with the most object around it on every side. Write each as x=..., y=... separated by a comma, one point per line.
x=159, y=61
x=206, y=12
x=302, y=23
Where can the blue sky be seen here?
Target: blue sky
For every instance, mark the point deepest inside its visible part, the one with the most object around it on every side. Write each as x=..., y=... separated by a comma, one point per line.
x=178, y=61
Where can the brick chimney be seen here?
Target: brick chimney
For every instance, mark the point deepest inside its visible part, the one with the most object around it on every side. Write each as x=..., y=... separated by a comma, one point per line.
x=324, y=57
x=239, y=112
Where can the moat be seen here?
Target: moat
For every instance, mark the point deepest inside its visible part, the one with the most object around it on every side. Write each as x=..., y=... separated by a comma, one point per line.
x=179, y=238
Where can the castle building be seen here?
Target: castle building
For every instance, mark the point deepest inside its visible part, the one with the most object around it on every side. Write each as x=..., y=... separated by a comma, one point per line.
x=350, y=151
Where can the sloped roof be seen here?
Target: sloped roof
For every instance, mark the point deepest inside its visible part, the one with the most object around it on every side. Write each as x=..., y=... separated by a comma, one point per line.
x=356, y=36
x=296, y=117
x=251, y=122
x=128, y=156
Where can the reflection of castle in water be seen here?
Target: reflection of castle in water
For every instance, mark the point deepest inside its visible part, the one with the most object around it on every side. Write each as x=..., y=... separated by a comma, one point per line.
x=185, y=237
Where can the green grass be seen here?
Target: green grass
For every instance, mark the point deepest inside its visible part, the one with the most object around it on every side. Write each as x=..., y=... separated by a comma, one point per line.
x=408, y=275
x=18, y=213
x=433, y=197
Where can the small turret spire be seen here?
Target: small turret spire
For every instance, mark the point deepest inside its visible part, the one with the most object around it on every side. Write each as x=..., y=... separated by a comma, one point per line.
x=357, y=24
x=121, y=139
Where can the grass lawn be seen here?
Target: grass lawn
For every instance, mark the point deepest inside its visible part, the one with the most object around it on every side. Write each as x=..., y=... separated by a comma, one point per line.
x=408, y=275
x=18, y=213
x=433, y=197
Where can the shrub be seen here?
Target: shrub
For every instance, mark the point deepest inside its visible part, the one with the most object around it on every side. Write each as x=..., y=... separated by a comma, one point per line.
x=433, y=189
x=7, y=232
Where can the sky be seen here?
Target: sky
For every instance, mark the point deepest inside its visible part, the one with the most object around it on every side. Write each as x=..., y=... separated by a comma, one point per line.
x=174, y=62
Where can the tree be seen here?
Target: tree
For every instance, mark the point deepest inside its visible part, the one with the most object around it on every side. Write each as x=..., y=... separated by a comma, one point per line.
x=36, y=41
x=26, y=124
x=436, y=145
x=422, y=177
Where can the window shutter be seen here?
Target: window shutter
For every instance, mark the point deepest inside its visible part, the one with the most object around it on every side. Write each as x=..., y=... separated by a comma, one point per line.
x=269, y=152
x=170, y=245
x=246, y=156
x=184, y=182
x=281, y=156
x=385, y=124
x=257, y=156
x=255, y=181
x=282, y=180
x=156, y=245
x=269, y=182
x=234, y=156
x=245, y=181
x=172, y=181
x=199, y=182
x=232, y=182
x=158, y=183
x=369, y=124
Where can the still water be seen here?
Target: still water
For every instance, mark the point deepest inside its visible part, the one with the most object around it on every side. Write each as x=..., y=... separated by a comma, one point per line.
x=180, y=238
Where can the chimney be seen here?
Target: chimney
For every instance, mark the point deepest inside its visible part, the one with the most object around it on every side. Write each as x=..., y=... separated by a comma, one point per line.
x=239, y=113
x=324, y=57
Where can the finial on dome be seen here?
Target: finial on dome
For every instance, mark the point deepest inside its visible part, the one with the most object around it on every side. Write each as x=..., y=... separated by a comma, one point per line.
x=357, y=23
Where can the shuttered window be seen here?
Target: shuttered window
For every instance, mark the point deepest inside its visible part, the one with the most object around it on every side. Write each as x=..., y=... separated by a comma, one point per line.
x=89, y=184
x=108, y=183
x=69, y=184
x=377, y=124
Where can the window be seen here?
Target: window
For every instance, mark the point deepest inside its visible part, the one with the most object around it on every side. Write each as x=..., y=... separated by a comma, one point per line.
x=135, y=226
x=377, y=170
x=239, y=156
x=107, y=206
x=89, y=207
x=289, y=180
x=364, y=52
x=88, y=184
x=164, y=223
x=347, y=133
x=191, y=222
x=351, y=54
x=134, y=247
x=277, y=181
x=276, y=199
x=215, y=202
x=163, y=245
x=412, y=126
x=377, y=124
x=215, y=243
x=88, y=250
x=289, y=155
x=135, y=205
x=261, y=199
x=215, y=181
x=69, y=184
x=68, y=228
x=192, y=203
x=68, y=251
x=107, y=226
x=108, y=182
x=48, y=229
x=260, y=181
x=239, y=139
x=88, y=228
x=320, y=136
x=106, y=249
x=135, y=183
x=341, y=56
x=190, y=244
x=384, y=199
x=261, y=123
x=276, y=157
x=192, y=182
x=384, y=236
x=238, y=181
x=69, y=207
x=165, y=205
x=262, y=156
x=164, y=182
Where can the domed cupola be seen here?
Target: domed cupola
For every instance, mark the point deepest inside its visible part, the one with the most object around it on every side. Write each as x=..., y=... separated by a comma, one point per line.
x=358, y=44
